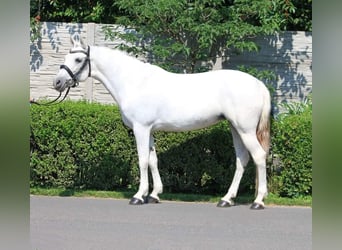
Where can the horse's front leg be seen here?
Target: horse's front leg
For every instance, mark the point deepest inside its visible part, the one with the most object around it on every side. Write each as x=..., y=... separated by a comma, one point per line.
x=142, y=137
x=157, y=183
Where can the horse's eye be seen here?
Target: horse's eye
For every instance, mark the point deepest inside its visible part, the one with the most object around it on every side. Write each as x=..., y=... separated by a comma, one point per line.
x=78, y=60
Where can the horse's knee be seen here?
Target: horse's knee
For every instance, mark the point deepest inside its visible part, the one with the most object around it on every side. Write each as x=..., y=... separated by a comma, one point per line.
x=153, y=162
x=143, y=163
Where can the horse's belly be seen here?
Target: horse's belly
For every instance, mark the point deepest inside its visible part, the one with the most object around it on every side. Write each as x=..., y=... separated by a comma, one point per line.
x=186, y=124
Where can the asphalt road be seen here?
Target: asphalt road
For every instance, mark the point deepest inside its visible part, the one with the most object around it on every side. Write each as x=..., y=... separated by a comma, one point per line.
x=92, y=223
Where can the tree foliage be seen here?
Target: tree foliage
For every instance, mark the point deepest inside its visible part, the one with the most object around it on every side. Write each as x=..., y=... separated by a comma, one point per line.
x=103, y=11
x=297, y=13
x=194, y=32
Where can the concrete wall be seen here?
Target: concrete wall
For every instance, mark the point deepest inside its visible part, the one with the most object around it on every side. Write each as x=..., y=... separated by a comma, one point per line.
x=287, y=54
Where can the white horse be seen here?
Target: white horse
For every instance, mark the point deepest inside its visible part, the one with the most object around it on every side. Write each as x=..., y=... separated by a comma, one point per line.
x=151, y=99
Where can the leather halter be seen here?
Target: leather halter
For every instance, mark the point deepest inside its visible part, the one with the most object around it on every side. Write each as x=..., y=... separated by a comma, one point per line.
x=74, y=76
x=74, y=81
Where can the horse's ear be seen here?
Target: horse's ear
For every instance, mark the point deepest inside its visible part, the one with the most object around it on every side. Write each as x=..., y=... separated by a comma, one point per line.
x=84, y=46
x=74, y=39
x=77, y=41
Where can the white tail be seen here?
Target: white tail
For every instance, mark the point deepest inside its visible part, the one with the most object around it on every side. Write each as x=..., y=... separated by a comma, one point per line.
x=263, y=129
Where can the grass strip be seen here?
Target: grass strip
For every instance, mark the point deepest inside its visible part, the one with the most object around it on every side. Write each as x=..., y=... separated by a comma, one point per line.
x=272, y=199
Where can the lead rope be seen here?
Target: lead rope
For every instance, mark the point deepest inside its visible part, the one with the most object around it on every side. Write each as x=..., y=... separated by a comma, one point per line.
x=53, y=101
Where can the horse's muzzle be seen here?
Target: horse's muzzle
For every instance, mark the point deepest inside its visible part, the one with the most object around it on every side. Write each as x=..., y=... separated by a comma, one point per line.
x=59, y=84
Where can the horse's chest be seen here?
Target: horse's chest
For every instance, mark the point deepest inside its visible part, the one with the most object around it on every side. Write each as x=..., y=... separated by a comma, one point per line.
x=126, y=120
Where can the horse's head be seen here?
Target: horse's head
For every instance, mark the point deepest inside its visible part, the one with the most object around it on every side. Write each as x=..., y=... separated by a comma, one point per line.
x=76, y=67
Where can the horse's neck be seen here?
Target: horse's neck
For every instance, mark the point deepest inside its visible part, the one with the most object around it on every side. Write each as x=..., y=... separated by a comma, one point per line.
x=116, y=70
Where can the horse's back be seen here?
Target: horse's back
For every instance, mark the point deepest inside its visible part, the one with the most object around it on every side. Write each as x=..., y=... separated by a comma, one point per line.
x=229, y=80
x=211, y=87
x=235, y=95
x=180, y=102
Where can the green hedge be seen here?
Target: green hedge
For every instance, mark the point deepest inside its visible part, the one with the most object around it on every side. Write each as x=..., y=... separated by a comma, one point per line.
x=86, y=146
x=80, y=145
x=292, y=148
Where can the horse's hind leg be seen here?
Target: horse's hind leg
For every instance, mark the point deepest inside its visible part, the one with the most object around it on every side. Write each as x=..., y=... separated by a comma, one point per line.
x=259, y=156
x=242, y=158
x=157, y=183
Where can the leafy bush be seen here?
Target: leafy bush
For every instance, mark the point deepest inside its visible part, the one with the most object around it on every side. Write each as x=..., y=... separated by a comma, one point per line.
x=82, y=145
x=201, y=161
x=292, y=146
x=86, y=146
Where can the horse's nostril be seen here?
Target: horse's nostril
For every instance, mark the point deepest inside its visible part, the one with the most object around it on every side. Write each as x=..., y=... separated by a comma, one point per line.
x=58, y=83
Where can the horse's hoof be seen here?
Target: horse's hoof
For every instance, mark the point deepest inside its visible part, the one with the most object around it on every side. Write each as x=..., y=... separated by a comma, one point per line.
x=223, y=203
x=135, y=201
x=257, y=206
x=153, y=200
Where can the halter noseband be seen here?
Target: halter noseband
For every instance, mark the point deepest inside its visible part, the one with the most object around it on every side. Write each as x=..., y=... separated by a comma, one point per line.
x=74, y=76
